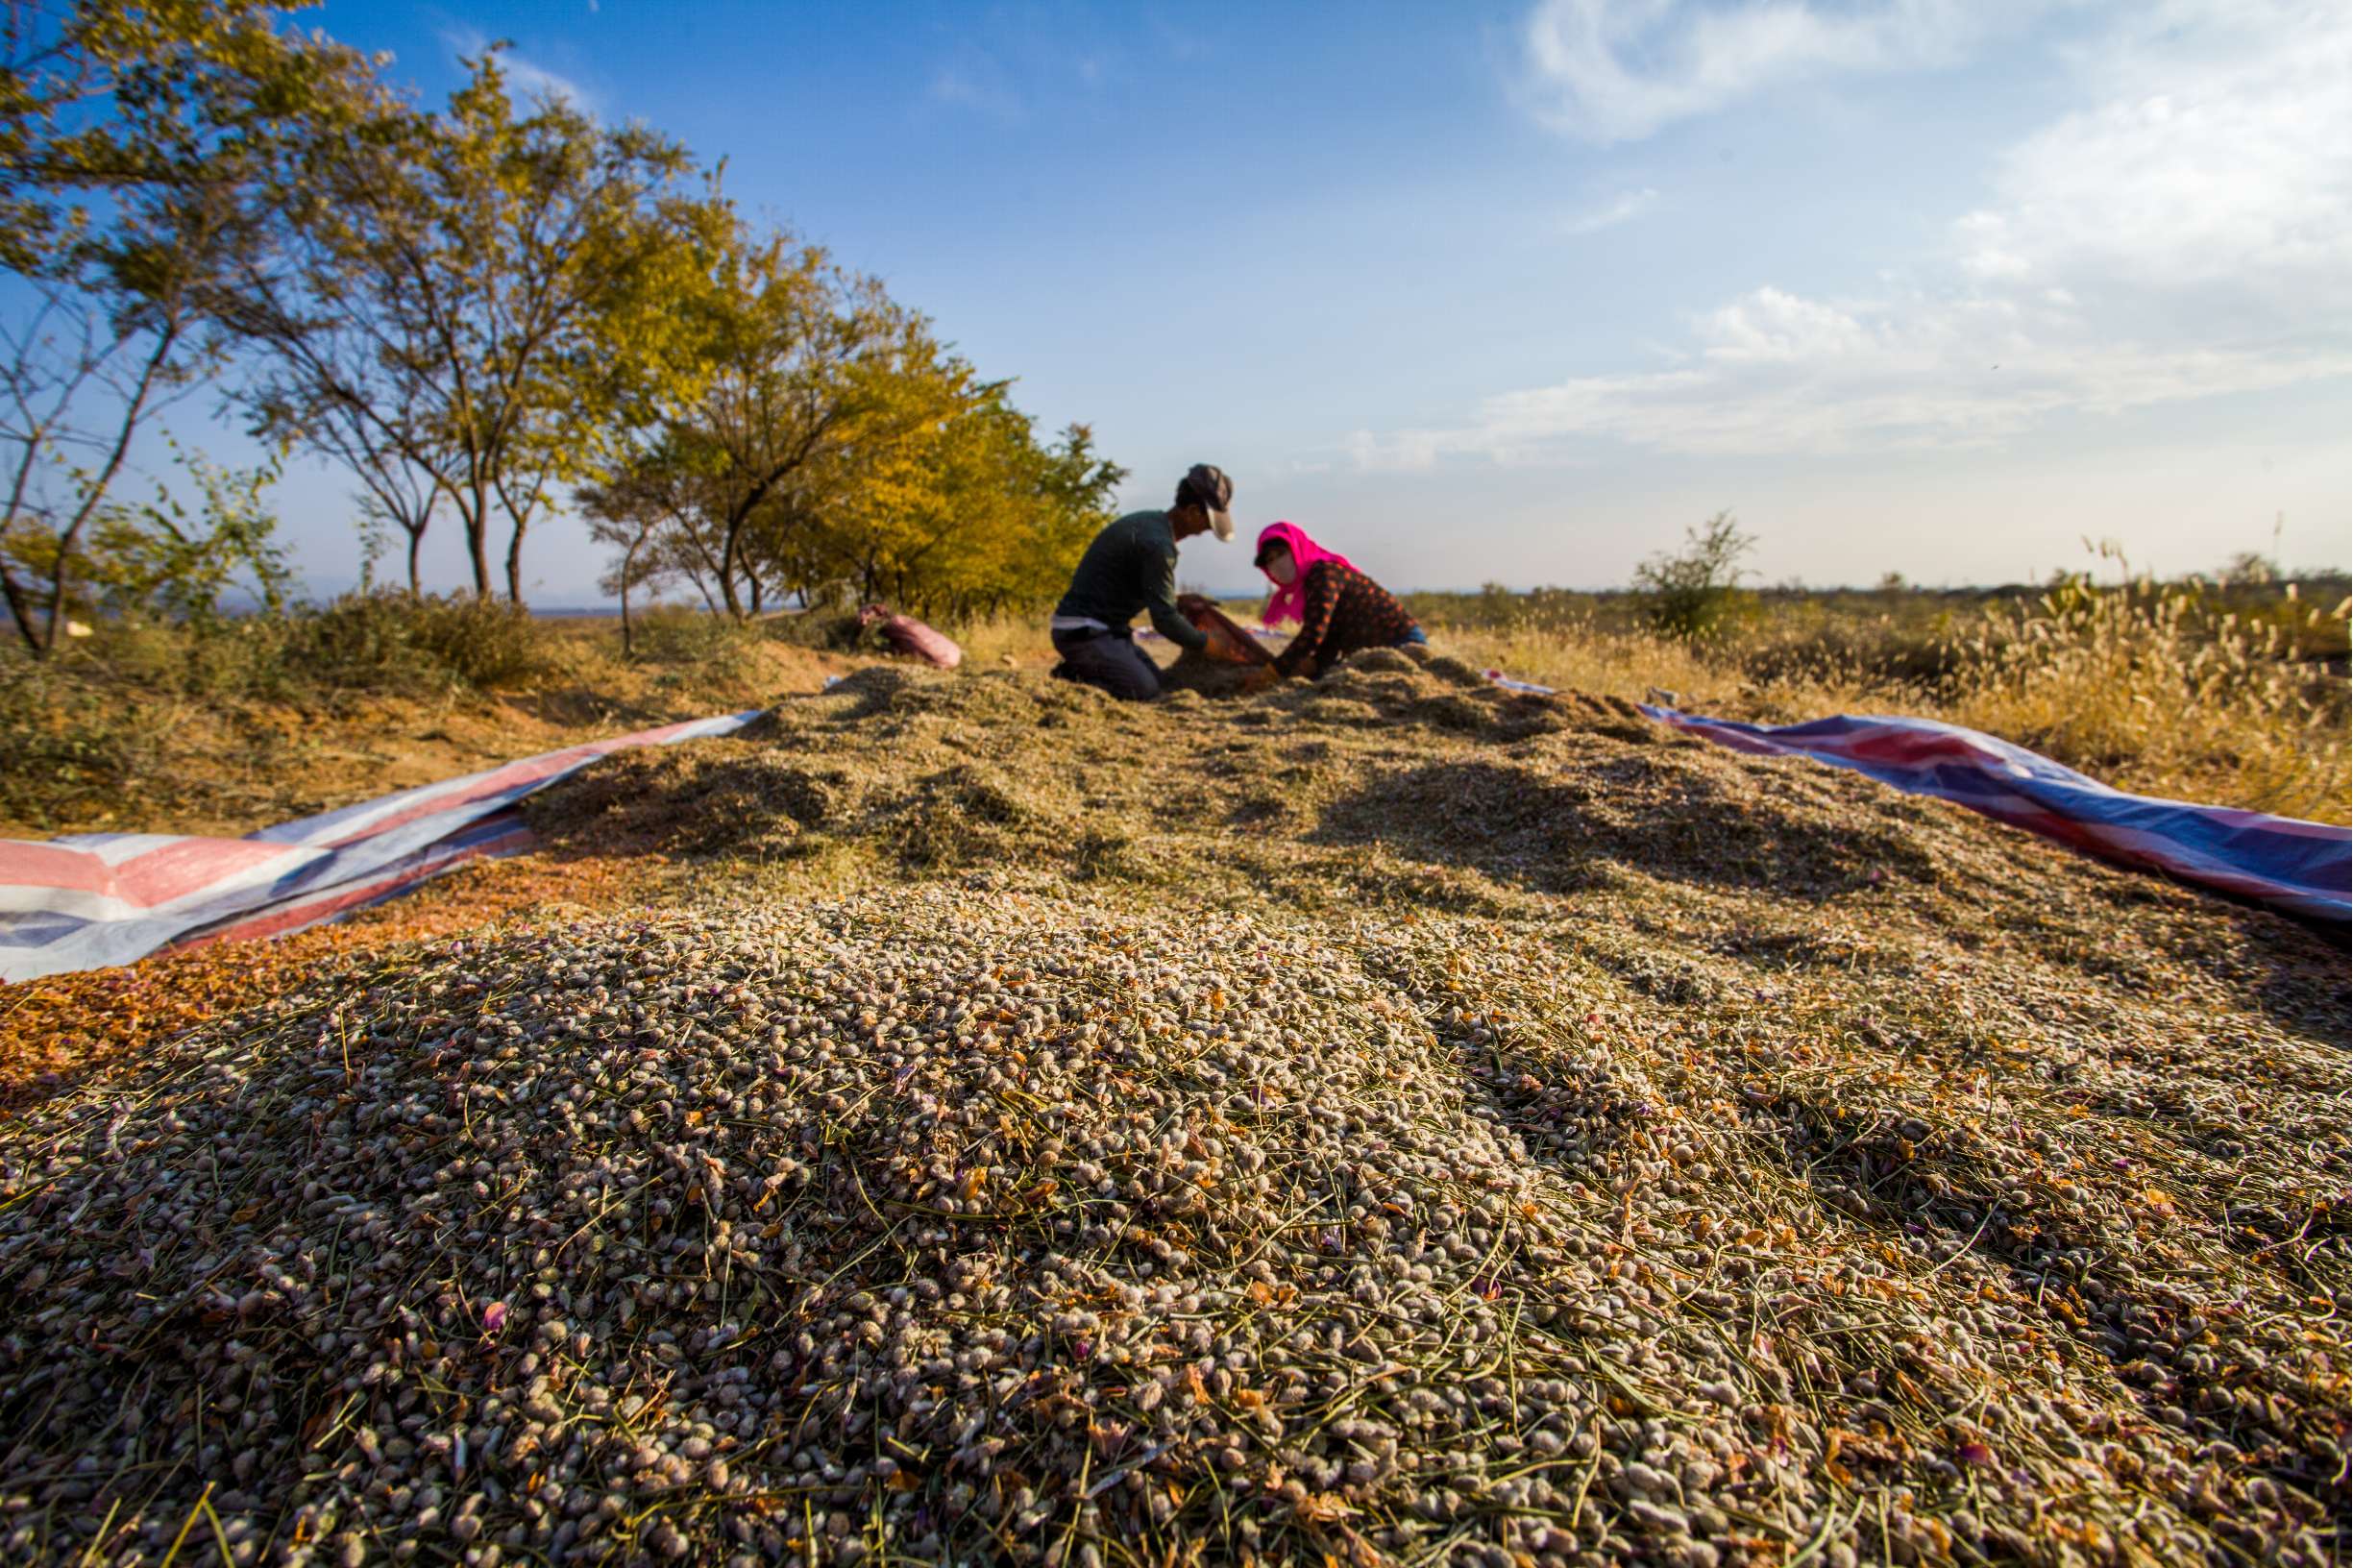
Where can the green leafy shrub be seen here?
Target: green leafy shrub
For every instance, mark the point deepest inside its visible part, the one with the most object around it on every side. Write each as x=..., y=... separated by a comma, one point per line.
x=396, y=641
x=1692, y=595
x=676, y=635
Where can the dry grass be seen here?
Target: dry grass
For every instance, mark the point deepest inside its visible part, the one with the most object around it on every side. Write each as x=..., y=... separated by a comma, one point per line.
x=2150, y=688
x=2155, y=688
x=141, y=733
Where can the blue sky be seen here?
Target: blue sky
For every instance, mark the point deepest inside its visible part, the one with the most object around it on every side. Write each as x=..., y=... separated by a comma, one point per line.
x=1517, y=292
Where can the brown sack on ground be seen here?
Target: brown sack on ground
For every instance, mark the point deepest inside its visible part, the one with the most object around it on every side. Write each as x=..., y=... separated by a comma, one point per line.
x=908, y=638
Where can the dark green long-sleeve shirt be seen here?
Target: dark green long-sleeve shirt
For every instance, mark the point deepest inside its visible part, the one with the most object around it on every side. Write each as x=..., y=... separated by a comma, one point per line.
x=1131, y=568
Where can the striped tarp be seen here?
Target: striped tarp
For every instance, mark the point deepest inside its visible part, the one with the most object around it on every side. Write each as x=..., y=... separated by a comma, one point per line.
x=100, y=899
x=2298, y=866
x=97, y=898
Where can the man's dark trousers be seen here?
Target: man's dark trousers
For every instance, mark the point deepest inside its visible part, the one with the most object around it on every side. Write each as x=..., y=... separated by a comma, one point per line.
x=1111, y=660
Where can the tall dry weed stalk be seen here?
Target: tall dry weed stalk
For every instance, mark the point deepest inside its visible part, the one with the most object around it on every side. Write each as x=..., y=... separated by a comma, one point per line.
x=1007, y=638
x=2161, y=688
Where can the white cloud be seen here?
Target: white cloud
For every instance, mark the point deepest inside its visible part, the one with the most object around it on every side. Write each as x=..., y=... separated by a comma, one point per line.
x=1617, y=70
x=1628, y=205
x=2217, y=149
x=2188, y=233
x=538, y=83
x=977, y=81
x=528, y=81
x=1783, y=375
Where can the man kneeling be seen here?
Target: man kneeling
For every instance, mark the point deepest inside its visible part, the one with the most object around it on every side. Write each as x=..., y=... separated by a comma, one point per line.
x=1131, y=567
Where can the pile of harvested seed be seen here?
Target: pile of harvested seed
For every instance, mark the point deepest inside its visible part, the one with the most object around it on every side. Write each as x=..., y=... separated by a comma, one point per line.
x=59, y=1028
x=1387, y=1121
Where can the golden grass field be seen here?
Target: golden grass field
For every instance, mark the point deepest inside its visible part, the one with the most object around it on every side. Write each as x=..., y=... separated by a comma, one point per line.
x=2235, y=699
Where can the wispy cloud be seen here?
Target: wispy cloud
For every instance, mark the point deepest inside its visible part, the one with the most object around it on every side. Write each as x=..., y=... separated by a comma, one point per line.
x=962, y=90
x=1779, y=373
x=525, y=78
x=2214, y=160
x=1627, y=205
x=2182, y=236
x=1002, y=64
x=1617, y=70
x=982, y=78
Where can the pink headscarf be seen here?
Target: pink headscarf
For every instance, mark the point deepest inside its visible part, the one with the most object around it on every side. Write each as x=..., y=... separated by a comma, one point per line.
x=1289, y=601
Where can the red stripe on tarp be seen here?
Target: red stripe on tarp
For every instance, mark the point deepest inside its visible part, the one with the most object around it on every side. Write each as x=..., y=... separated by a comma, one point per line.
x=157, y=876
x=46, y=865
x=283, y=918
x=173, y=871
x=500, y=781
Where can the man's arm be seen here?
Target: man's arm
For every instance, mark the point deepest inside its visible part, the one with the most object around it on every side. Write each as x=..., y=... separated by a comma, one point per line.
x=1160, y=601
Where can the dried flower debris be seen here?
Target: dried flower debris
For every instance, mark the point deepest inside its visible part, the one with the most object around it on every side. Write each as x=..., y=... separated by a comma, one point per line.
x=1580, y=1158
x=59, y=1028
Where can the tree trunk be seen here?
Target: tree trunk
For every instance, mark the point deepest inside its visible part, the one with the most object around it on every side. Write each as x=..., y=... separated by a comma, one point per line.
x=628, y=569
x=416, y=579
x=478, y=541
x=727, y=558
x=21, y=609
x=67, y=543
x=514, y=567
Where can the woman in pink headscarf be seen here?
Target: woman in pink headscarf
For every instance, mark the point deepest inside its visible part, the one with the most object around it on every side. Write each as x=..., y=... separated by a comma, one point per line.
x=1339, y=609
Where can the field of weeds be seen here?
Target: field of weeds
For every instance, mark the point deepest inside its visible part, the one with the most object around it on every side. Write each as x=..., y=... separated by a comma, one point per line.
x=170, y=729
x=1384, y=1120
x=2235, y=696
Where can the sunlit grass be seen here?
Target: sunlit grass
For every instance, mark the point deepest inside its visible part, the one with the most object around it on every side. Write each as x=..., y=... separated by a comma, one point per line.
x=2162, y=688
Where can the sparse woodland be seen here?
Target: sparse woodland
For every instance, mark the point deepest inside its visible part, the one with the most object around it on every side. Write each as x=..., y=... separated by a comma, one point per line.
x=480, y=311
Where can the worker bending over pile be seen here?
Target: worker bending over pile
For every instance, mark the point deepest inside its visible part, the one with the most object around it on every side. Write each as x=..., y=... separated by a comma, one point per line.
x=1131, y=568
x=1339, y=610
